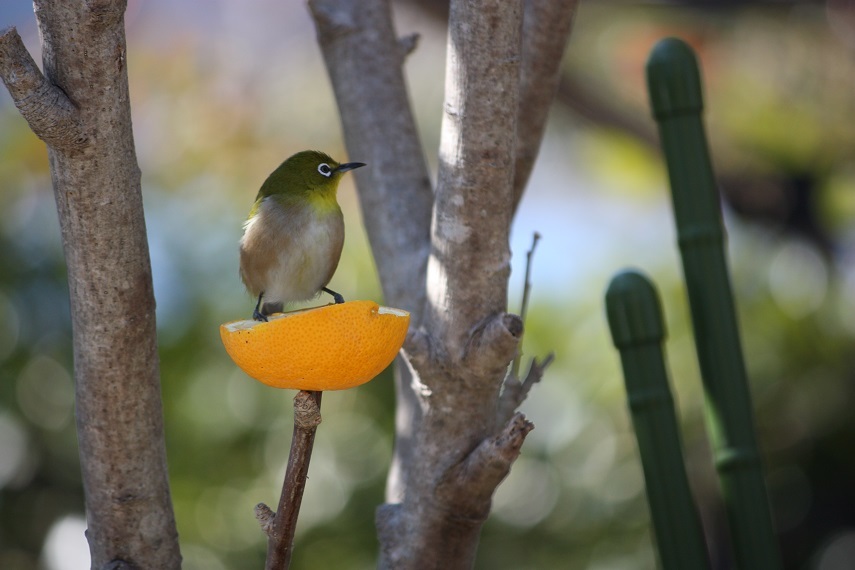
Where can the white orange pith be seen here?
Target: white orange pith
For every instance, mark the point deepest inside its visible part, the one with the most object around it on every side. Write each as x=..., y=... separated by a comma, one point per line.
x=327, y=348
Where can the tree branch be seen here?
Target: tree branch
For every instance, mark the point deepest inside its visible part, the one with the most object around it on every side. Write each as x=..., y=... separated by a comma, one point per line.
x=515, y=367
x=467, y=340
x=514, y=391
x=471, y=483
x=443, y=528
x=307, y=418
x=546, y=29
x=80, y=107
x=364, y=59
x=462, y=339
x=470, y=259
x=48, y=111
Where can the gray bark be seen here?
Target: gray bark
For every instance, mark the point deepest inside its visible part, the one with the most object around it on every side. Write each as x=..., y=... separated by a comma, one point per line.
x=80, y=108
x=456, y=436
x=365, y=60
x=467, y=339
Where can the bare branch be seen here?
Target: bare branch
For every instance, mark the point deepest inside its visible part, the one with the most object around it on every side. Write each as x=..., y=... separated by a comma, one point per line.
x=471, y=483
x=307, y=418
x=514, y=392
x=470, y=261
x=529, y=257
x=81, y=108
x=443, y=526
x=448, y=457
x=467, y=339
x=546, y=28
x=364, y=59
x=49, y=112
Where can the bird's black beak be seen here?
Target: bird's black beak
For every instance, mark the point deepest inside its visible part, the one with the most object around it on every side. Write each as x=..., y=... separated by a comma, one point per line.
x=348, y=166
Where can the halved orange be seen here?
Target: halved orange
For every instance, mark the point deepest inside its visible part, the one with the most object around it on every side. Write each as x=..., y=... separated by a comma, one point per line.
x=326, y=348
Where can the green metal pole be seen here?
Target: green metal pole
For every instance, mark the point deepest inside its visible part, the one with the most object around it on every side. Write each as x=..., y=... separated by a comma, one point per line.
x=674, y=83
x=635, y=319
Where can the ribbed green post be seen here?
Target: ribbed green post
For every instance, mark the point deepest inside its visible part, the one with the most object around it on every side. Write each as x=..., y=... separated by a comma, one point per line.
x=637, y=329
x=675, y=93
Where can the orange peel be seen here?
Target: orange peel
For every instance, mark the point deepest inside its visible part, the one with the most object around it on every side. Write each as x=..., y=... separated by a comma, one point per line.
x=333, y=347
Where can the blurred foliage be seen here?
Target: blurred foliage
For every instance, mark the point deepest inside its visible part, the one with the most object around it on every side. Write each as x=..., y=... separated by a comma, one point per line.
x=220, y=99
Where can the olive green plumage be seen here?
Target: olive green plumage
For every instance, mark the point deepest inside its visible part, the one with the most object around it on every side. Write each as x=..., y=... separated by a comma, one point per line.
x=294, y=234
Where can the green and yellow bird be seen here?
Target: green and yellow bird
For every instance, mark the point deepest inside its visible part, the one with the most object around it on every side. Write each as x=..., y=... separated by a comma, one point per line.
x=292, y=239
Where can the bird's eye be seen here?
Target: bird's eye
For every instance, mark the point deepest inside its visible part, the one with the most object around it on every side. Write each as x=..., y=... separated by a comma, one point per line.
x=325, y=169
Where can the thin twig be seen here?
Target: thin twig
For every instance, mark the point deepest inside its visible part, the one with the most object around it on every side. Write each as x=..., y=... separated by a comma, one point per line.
x=514, y=391
x=535, y=372
x=515, y=369
x=307, y=417
x=485, y=467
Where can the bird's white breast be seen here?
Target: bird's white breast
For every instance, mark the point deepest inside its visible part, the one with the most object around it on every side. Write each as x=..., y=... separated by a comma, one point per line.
x=300, y=248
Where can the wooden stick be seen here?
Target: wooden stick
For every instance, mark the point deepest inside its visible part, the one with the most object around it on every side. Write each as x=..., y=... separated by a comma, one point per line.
x=307, y=417
x=515, y=368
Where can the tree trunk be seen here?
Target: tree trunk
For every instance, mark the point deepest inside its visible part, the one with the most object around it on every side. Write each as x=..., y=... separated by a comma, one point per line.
x=455, y=439
x=80, y=108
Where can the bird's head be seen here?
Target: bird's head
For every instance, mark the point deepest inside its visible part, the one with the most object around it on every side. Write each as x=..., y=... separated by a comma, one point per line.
x=307, y=174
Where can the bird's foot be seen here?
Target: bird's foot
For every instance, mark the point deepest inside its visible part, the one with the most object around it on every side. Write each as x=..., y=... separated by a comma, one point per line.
x=258, y=316
x=336, y=296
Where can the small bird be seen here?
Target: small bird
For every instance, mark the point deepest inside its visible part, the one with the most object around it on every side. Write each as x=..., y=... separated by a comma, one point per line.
x=292, y=239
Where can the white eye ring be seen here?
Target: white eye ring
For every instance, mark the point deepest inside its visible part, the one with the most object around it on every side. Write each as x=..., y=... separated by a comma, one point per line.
x=325, y=169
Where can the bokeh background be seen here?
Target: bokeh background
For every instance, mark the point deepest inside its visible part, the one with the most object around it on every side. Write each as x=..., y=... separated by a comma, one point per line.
x=223, y=91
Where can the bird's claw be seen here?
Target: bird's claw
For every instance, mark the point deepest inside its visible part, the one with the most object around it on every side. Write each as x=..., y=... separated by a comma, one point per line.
x=257, y=316
x=337, y=298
